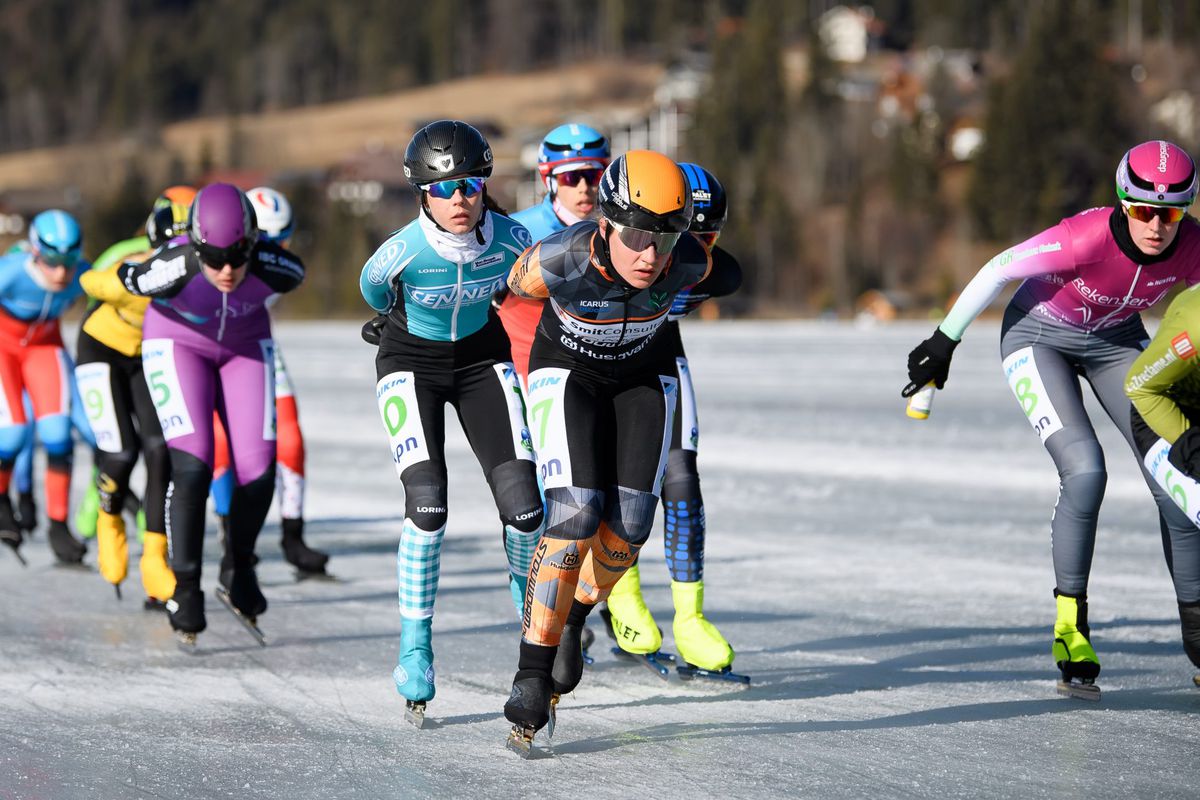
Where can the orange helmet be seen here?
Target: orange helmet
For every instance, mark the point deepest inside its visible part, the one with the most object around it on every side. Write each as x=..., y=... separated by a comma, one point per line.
x=646, y=190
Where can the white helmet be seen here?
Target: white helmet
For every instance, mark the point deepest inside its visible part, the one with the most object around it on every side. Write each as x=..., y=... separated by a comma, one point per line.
x=274, y=213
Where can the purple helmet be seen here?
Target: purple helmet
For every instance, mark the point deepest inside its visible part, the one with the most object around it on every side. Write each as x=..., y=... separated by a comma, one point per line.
x=1157, y=173
x=222, y=226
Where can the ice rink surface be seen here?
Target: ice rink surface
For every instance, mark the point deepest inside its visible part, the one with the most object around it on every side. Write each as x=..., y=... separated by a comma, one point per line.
x=887, y=583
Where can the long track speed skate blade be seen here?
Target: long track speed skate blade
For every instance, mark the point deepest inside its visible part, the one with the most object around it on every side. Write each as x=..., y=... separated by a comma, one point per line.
x=550, y=723
x=414, y=713
x=16, y=552
x=657, y=662
x=1081, y=689
x=688, y=671
x=248, y=623
x=520, y=740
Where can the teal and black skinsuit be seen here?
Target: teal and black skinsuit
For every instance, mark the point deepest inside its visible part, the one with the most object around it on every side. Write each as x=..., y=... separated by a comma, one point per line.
x=442, y=343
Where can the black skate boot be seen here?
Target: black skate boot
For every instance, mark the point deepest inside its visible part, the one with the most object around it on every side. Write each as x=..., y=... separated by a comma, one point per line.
x=308, y=562
x=571, y=656
x=240, y=594
x=10, y=532
x=67, y=549
x=528, y=709
x=185, y=609
x=26, y=513
x=1189, y=621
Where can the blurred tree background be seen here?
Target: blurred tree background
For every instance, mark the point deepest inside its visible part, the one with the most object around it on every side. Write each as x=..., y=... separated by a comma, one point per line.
x=891, y=146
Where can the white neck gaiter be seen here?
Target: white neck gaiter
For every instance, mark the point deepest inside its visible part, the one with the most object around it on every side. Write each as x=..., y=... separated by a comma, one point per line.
x=455, y=247
x=563, y=214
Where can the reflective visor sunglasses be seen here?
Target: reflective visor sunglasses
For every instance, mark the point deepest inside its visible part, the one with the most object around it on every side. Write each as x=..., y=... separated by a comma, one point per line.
x=638, y=240
x=444, y=190
x=1144, y=213
x=235, y=256
x=590, y=176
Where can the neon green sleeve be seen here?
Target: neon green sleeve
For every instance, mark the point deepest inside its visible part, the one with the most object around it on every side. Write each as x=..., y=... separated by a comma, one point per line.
x=1169, y=359
x=117, y=253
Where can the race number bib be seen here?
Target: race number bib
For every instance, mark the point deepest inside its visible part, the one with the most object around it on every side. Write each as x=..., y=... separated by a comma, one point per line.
x=1184, y=491
x=689, y=422
x=1021, y=371
x=158, y=363
x=548, y=425
x=95, y=389
x=397, y=396
x=522, y=442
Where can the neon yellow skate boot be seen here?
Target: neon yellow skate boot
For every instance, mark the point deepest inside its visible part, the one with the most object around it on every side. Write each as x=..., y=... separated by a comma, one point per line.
x=89, y=509
x=1072, y=652
x=697, y=640
x=157, y=578
x=112, y=547
x=630, y=622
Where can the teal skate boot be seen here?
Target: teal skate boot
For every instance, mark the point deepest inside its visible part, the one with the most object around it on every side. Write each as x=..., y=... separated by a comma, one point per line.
x=414, y=673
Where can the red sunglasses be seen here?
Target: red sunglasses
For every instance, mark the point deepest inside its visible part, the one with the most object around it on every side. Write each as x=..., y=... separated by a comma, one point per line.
x=590, y=176
x=1144, y=213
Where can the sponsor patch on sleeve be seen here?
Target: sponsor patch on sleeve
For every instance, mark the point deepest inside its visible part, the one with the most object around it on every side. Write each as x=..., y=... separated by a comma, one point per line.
x=1182, y=345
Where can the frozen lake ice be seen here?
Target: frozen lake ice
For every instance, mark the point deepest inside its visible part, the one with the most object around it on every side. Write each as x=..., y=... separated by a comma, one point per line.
x=886, y=582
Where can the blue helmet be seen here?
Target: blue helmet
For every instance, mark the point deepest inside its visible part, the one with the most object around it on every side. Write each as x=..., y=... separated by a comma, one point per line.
x=709, y=206
x=55, y=238
x=572, y=144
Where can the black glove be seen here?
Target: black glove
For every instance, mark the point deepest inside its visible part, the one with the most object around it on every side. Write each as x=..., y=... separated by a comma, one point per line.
x=373, y=329
x=1185, y=453
x=929, y=361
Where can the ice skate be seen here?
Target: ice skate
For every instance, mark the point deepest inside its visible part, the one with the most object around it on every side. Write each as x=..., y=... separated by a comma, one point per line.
x=309, y=563
x=1073, y=651
x=632, y=625
x=239, y=592
x=568, y=660
x=10, y=532
x=67, y=549
x=26, y=513
x=414, y=673
x=158, y=581
x=112, y=549
x=702, y=649
x=530, y=708
x=185, y=611
x=89, y=508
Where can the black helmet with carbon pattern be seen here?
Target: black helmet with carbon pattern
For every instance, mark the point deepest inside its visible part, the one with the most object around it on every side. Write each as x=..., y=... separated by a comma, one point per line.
x=447, y=149
x=646, y=190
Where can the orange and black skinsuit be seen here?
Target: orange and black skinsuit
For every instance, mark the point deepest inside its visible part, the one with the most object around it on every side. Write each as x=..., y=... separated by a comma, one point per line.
x=601, y=401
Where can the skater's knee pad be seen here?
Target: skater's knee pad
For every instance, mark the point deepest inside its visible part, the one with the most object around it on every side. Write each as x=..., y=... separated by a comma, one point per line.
x=573, y=512
x=12, y=439
x=630, y=513
x=54, y=432
x=514, y=485
x=682, y=477
x=425, y=496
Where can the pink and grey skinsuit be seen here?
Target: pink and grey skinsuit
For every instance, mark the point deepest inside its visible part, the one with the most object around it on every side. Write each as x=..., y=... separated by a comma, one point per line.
x=1076, y=315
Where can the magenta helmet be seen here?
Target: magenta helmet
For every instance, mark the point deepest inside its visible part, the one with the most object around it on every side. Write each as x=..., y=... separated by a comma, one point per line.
x=1157, y=173
x=221, y=225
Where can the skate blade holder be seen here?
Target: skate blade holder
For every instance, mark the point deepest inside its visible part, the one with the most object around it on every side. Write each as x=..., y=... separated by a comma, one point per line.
x=689, y=671
x=1081, y=690
x=414, y=713
x=520, y=741
x=657, y=662
x=250, y=624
